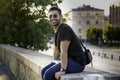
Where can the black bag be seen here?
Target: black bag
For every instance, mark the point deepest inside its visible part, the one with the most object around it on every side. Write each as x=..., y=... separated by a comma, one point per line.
x=87, y=54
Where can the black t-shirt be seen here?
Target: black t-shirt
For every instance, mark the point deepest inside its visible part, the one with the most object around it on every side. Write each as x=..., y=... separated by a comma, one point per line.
x=75, y=50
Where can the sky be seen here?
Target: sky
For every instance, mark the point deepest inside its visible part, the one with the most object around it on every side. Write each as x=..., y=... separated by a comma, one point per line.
x=67, y=5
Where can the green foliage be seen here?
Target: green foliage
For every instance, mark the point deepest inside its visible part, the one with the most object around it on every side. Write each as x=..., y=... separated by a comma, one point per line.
x=64, y=19
x=24, y=22
x=111, y=33
x=93, y=33
x=106, y=32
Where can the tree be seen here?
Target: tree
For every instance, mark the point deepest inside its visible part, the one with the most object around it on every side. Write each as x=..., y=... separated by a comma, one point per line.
x=93, y=33
x=65, y=16
x=24, y=23
x=107, y=33
x=111, y=33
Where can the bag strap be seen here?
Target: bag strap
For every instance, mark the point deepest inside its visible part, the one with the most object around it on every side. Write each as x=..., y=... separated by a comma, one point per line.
x=83, y=45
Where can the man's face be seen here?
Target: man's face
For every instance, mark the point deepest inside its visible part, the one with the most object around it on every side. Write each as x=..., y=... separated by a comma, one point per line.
x=54, y=18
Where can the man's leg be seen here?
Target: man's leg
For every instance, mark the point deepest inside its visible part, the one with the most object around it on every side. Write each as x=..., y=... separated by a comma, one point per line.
x=74, y=67
x=45, y=68
x=50, y=73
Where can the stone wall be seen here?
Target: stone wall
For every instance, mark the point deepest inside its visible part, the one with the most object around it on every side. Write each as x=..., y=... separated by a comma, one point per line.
x=24, y=64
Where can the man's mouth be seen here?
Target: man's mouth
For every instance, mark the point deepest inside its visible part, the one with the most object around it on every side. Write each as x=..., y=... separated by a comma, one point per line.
x=53, y=21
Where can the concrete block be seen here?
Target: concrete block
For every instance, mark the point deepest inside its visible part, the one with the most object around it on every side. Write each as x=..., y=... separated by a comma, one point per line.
x=91, y=74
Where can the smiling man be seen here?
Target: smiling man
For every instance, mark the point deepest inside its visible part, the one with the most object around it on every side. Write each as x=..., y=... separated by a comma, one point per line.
x=68, y=53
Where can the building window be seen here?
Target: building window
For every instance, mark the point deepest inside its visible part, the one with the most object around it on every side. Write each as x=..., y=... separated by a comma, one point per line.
x=88, y=14
x=79, y=30
x=97, y=14
x=116, y=12
x=79, y=22
x=96, y=22
x=88, y=22
x=79, y=14
x=116, y=20
x=79, y=37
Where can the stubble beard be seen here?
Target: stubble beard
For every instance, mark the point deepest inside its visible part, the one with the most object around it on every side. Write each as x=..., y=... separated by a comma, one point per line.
x=55, y=24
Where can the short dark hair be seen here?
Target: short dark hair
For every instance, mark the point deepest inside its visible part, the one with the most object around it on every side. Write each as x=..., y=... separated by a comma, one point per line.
x=56, y=8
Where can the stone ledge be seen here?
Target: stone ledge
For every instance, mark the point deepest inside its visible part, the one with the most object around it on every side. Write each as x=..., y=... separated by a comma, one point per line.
x=24, y=64
x=27, y=64
x=91, y=74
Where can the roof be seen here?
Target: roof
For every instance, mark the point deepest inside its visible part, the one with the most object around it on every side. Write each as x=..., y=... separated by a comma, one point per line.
x=116, y=4
x=86, y=8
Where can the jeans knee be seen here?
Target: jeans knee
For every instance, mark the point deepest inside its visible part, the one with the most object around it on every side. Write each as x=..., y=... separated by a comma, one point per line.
x=48, y=75
x=42, y=72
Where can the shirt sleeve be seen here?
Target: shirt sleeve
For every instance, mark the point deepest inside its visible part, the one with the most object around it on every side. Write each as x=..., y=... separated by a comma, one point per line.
x=65, y=33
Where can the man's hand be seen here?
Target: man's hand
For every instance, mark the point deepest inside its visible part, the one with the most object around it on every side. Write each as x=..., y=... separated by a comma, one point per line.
x=58, y=75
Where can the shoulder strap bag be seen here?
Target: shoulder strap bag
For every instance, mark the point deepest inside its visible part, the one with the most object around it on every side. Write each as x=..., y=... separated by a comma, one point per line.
x=87, y=54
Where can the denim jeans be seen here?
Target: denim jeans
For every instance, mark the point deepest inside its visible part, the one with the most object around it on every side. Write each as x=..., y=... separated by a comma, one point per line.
x=48, y=72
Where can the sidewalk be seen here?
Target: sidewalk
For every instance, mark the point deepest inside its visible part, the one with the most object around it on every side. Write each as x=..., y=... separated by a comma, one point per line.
x=108, y=63
x=103, y=47
x=104, y=50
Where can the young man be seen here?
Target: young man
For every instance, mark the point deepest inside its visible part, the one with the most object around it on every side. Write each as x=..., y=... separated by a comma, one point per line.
x=68, y=54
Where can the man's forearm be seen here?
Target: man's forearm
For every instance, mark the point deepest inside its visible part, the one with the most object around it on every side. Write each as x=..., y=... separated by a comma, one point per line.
x=56, y=54
x=64, y=53
x=64, y=60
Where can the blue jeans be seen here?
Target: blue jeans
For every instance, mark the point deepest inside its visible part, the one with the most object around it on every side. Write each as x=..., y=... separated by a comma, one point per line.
x=48, y=72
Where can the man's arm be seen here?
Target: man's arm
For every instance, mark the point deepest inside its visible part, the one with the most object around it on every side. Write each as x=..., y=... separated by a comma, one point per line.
x=56, y=53
x=64, y=45
x=64, y=57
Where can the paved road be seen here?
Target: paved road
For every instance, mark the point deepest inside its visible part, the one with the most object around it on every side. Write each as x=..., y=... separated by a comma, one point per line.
x=108, y=65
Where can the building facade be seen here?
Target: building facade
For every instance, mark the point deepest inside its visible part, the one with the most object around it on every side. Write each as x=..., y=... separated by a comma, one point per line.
x=115, y=13
x=83, y=17
x=106, y=20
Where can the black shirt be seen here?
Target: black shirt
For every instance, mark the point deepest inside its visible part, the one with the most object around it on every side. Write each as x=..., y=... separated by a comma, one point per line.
x=75, y=50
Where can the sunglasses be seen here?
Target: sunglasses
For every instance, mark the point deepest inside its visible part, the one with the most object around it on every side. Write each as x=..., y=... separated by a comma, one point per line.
x=54, y=16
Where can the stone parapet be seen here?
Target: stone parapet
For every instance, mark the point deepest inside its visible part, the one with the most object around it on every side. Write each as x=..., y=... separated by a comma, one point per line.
x=91, y=74
x=24, y=64
x=27, y=64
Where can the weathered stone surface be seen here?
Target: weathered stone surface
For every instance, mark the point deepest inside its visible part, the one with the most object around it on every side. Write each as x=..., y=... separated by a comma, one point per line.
x=5, y=73
x=91, y=76
x=27, y=64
